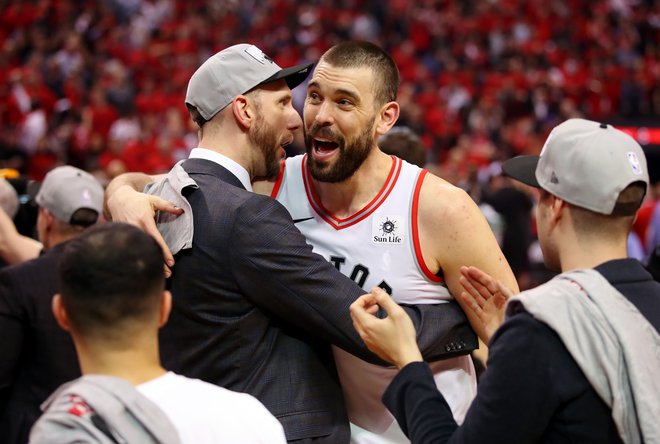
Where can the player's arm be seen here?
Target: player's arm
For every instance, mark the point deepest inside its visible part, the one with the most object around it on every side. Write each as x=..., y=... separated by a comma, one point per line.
x=453, y=233
x=14, y=247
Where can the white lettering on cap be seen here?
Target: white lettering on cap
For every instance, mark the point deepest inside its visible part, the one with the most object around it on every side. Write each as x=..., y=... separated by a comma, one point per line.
x=634, y=163
x=258, y=55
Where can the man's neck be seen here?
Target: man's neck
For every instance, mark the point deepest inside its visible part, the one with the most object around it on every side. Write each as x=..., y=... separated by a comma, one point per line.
x=55, y=238
x=346, y=198
x=134, y=364
x=589, y=254
x=234, y=147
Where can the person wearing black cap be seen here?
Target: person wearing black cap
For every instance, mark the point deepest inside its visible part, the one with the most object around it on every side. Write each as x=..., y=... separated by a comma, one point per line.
x=578, y=358
x=37, y=356
x=253, y=307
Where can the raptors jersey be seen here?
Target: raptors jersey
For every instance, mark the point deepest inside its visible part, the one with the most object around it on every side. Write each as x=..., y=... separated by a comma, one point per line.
x=377, y=246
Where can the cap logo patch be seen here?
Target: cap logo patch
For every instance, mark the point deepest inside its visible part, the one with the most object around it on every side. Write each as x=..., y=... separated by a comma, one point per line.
x=634, y=163
x=258, y=55
x=553, y=178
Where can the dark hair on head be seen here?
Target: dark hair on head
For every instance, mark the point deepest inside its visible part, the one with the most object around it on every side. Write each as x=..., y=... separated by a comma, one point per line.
x=195, y=115
x=111, y=280
x=360, y=54
x=84, y=217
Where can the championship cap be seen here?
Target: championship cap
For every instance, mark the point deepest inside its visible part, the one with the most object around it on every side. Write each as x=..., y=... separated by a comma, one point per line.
x=235, y=71
x=585, y=163
x=67, y=189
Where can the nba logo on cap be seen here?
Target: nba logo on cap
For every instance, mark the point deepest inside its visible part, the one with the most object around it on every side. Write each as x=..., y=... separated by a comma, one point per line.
x=634, y=163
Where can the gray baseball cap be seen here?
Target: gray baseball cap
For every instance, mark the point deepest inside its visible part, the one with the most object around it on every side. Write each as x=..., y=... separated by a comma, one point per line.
x=235, y=71
x=585, y=163
x=67, y=189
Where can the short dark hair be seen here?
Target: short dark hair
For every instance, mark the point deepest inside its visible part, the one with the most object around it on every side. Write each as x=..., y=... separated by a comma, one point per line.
x=195, y=115
x=360, y=54
x=111, y=277
x=84, y=217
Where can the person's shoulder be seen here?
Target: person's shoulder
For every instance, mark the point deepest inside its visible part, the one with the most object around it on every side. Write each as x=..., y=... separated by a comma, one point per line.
x=33, y=272
x=207, y=393
x=442, y=203
x=66, y=416
x=445, y=195
x=522, y=333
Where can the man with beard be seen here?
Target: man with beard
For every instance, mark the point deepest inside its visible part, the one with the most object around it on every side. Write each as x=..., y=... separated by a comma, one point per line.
x=380, y=220
x=253, y=307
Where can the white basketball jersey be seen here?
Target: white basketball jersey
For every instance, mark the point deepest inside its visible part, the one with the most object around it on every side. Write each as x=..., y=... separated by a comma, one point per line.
x=377, y=246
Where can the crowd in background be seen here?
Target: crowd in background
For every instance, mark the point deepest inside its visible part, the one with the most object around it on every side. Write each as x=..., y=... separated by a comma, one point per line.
x=100, y=84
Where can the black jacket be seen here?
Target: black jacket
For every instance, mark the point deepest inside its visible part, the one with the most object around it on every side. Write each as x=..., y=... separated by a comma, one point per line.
x=36, y=355
x=533, y=390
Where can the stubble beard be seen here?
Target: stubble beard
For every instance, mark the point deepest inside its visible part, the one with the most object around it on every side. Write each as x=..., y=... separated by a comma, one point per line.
x=266, y=138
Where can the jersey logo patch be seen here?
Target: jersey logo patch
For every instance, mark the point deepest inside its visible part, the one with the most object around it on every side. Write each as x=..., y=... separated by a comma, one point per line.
x=387, y=230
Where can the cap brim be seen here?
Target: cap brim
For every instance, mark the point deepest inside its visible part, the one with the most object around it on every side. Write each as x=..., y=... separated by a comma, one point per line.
x=523, y=169
x=294, y=75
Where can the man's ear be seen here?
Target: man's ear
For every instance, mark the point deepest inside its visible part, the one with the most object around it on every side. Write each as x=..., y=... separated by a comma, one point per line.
x=60, y=312
x=389, y=114
x=556, y=210
x=47, y=218
x=243, y=111
x=165, y=308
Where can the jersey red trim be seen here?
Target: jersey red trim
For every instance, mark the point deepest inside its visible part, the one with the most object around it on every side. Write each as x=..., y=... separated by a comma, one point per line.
x=279, y=180
x=338, y=223
x=415, y=230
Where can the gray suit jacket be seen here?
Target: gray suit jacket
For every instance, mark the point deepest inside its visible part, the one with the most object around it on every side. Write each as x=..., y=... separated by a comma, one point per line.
x=254, y=309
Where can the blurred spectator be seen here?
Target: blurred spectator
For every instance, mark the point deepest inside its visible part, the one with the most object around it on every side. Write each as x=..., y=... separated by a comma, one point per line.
x=482, y=80
x=402, y=142
x=515, y=206
x=36, y=356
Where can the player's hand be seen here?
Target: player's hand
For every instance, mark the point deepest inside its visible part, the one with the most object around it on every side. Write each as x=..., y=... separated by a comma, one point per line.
x=139, y=209
x=393, y=338
x=483, y=300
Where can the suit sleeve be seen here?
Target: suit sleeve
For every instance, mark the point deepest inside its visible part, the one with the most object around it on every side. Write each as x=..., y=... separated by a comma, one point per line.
x=275, y=266
x=517, y=394
x=443, y=330
x=12, y=333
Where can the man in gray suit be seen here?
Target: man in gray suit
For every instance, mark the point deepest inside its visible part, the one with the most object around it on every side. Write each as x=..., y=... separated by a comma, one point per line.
x=253, y=307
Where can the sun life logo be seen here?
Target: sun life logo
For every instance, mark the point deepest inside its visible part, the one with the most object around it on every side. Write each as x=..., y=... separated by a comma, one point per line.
x=387, y=230
x=388, y=226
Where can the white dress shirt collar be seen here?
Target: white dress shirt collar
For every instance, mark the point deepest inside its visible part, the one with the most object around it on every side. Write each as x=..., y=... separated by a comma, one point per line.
x=235, y=168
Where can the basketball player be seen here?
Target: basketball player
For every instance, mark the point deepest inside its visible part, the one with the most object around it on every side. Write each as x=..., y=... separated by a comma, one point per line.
x=381, y=221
